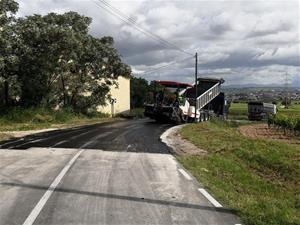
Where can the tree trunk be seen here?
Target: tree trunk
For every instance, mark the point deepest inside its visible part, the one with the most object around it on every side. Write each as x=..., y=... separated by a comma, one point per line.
x=6, y=98
x=64, y=89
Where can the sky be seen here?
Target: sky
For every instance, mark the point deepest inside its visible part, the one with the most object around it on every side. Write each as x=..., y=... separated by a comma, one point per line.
x=245, y=42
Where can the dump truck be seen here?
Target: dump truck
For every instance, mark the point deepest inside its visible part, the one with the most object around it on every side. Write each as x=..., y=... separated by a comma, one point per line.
x=177, y=102
x=260, y=110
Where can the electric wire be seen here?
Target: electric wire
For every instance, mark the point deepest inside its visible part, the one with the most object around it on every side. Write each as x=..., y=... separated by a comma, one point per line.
x=165, y=66
x=120, y=15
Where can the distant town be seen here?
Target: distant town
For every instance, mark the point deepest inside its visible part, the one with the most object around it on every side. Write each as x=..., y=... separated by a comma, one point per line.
x=265, y=94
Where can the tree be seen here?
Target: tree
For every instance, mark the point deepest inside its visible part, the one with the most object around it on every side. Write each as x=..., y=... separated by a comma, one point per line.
x=61, y=64
x=8, y=59
x=139, y=90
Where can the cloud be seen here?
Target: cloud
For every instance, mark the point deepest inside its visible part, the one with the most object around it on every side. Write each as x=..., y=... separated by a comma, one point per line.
x=244, y=41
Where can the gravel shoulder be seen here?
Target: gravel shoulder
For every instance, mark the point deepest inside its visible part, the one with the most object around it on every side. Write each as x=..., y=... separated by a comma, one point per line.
x=178, y=144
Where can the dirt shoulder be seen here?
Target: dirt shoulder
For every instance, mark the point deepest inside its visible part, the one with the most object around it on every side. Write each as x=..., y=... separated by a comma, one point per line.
x=178, y=144
x=261, y=131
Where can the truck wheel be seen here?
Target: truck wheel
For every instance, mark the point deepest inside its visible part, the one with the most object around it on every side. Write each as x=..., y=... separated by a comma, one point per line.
x=201, y=117
x=184, y=118
x=206, y=117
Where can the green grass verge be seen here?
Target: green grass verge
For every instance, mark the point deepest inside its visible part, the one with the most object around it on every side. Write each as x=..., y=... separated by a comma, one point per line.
x=258, y=178
x=19, y=119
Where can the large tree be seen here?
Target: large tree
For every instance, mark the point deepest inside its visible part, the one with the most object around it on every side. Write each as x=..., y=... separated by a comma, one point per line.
x=8, y=59
x=139, y=91
x=61, y=64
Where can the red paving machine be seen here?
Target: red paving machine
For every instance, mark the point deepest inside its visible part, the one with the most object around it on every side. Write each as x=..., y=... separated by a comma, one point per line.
x=177, y=102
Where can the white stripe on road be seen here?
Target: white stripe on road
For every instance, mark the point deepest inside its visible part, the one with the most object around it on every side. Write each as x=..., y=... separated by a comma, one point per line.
x=185, y=174
x=95, y=139
x=28, y=142
x=59, y=143
x=11, y=142
x=40, y=205
x=45, y=138
x=210, y=198
x=72, y=138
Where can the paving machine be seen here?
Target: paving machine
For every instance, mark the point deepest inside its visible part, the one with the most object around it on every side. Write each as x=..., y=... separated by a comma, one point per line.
x=177, y=102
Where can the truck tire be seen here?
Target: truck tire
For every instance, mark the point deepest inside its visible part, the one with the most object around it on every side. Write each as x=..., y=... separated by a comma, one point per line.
x=201, y=117
x=206, y=117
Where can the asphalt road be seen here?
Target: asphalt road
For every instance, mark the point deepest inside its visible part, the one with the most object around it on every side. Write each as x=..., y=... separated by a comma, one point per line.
x=62, y=177
x=130, y=135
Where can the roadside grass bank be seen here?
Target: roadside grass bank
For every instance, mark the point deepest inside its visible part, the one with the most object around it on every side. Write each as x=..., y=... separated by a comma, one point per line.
x=18, y=119
x=258, y=178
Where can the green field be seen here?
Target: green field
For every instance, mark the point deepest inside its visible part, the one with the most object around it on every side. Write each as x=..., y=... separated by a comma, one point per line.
x=240, y=110
x=258, y=178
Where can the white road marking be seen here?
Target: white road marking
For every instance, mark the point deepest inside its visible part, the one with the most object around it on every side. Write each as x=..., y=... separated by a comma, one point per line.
x=94, y=139
x=59, y=143
x=28, y=142
x=11, y=142
x=40, y=205
x=72, y=138
x=185, y=174
x=43, y=139
x=210, y=198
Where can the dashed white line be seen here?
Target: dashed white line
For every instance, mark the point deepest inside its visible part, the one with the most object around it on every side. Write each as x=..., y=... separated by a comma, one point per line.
x=210, y=198
x=185, y=174
x=59, y=143
x=11, y=142
x=39, y=206
x=95, y=139
x=28, y=142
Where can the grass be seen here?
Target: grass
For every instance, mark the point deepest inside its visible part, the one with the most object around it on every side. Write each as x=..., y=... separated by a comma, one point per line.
x=258, y=178
x=240, y=110
x=19, y=119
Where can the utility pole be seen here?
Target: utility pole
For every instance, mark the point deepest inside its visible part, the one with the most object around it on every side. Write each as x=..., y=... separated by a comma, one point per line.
x=196, y=84
x=286, y=90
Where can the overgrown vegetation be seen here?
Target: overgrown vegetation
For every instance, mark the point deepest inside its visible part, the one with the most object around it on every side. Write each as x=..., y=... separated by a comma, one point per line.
x=258, y=178
x=52, y=60
x=289, y=123
x=141, y=91
x=16, y=118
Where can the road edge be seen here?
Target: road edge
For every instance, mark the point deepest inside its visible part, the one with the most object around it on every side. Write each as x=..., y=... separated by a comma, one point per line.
x=167, y=137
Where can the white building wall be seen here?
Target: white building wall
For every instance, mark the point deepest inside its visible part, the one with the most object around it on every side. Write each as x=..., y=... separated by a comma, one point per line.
x=122, y=96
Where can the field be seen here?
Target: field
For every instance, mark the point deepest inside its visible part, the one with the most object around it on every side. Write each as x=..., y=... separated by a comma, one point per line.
x=240, y=110
x=257, y=178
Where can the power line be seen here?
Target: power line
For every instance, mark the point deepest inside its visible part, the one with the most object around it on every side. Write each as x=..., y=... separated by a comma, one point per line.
x=135, y=24
x=165, y=66
x=120, y=15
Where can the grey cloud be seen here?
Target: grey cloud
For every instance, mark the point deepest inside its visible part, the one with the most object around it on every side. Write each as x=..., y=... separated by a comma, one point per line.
x=250, y=39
